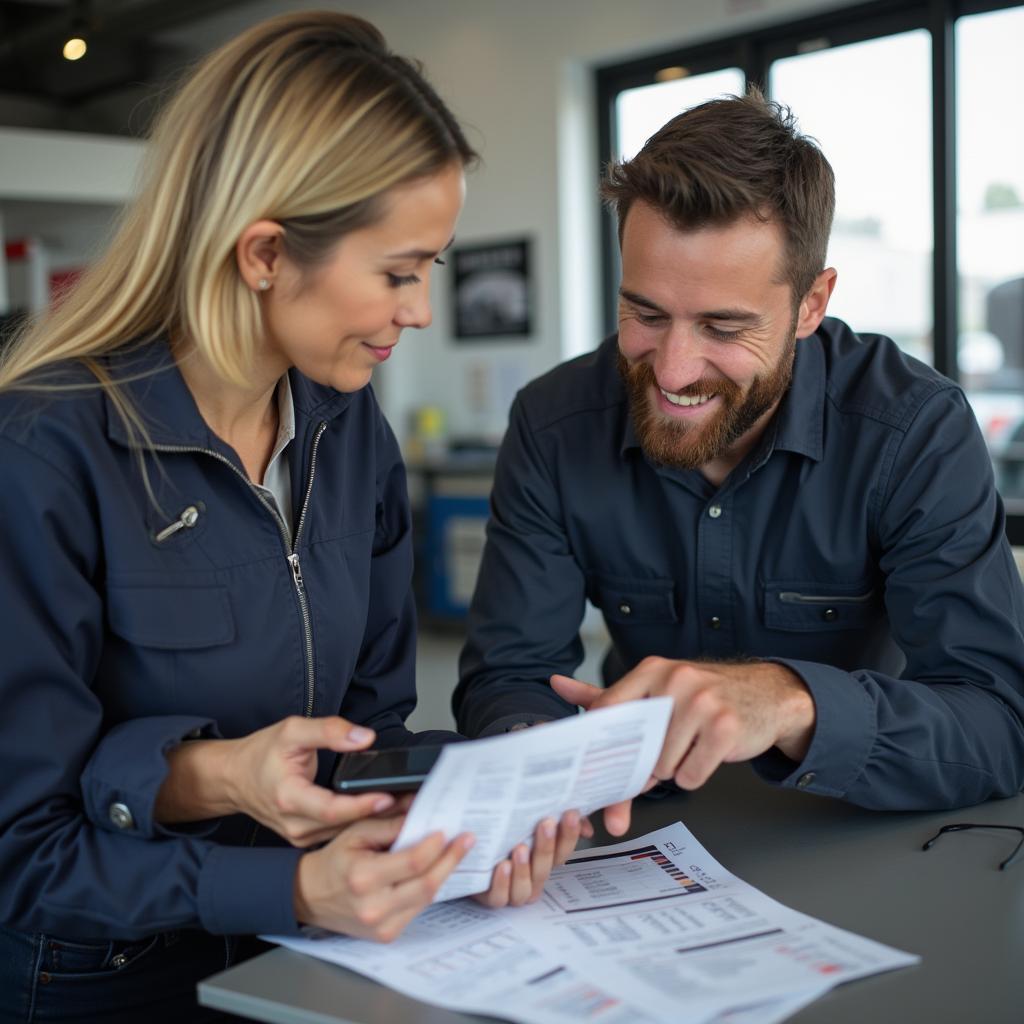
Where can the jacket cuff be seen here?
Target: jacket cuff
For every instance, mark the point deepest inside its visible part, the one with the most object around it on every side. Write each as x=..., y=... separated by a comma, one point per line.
x=121, y=780
x=486, y=714
x=249, y=890
x=844, y=733
x=508, y=722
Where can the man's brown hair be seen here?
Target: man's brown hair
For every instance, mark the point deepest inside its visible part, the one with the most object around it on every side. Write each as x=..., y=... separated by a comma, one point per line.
x=741, y=156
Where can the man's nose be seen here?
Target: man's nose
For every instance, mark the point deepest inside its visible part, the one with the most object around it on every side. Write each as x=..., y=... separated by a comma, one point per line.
x=680, y=359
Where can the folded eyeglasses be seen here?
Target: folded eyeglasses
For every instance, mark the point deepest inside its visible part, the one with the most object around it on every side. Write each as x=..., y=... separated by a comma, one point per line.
x=964, y=826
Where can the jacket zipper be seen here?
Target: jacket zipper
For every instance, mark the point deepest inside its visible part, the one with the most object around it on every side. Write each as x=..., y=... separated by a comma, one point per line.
x=290, y=544
x=293, y=561
x=793, y=597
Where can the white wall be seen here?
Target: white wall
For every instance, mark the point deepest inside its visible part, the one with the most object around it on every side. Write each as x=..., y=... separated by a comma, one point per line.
x=63, y=190
x=67, y=166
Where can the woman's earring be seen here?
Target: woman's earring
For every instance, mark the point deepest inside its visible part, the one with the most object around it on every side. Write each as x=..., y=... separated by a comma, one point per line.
x=264, y=284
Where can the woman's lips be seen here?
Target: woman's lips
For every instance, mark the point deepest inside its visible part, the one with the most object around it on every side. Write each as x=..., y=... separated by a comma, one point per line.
x=381, y=352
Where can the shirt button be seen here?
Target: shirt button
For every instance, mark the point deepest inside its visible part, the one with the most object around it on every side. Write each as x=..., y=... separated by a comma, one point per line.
x=121, y=816
x=830, y=615
x=625, y=609
x=805, y=780
x=715, y=623
x=715, y=511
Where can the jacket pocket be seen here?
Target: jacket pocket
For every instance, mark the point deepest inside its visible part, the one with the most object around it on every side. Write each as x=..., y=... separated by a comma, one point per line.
x=815, y=606
x=633, y=602
x=171, y=618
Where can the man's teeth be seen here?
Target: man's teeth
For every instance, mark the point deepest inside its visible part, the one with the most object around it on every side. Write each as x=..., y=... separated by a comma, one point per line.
x=685, y=399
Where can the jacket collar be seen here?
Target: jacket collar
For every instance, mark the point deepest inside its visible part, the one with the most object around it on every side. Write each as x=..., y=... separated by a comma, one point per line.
x=800, y=420
x=798, y=425
x=153, y=385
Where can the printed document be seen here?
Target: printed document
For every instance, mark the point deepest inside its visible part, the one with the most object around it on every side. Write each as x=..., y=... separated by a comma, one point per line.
x=502, y=787
x=647, y=930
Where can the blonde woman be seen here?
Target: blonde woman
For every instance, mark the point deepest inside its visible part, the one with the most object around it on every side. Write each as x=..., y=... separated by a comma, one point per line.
x=205, y=556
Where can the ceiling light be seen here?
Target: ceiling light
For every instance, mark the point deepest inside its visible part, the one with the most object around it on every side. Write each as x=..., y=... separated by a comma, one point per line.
x=74, y=48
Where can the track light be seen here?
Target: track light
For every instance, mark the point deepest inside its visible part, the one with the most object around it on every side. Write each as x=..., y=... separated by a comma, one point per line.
x=74, y=48
x=75, y=45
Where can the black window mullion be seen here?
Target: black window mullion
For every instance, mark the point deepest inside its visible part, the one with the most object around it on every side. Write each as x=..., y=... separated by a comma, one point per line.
x=945, y=283
x=608, y=144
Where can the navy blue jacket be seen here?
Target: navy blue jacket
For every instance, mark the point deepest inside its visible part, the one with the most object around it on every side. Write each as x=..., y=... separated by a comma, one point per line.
x=861, y=543
x=118, y=643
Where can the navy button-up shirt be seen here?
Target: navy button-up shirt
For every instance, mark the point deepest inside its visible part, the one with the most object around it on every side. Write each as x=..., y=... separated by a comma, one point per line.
x=861, y=543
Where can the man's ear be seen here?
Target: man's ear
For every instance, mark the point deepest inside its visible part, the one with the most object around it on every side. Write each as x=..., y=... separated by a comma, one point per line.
x=258, y=253
x=814, y=304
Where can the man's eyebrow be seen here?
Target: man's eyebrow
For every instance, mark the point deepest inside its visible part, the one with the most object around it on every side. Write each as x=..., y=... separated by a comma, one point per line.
x=737, y=316
x=419, y=254
x=640, y=300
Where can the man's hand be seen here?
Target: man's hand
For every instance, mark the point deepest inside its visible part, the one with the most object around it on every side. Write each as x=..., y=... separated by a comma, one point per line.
x=722, y=712
x=520, y=879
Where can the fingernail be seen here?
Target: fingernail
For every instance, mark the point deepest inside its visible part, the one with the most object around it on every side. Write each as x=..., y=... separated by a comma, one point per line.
x=572, y=818
x=357, y=734
x=521, y=855
x=383, y=803
x=468, y=842
x=547, y=829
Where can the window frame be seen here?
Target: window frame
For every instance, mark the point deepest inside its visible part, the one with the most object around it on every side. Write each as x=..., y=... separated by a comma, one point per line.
x=753, y=53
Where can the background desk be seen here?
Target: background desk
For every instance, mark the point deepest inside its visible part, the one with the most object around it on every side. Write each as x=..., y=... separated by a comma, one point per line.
x=860, y=870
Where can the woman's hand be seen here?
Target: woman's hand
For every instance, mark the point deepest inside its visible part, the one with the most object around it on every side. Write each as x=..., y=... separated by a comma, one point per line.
x=353, y=885
x=268, y=775
x=521, y=878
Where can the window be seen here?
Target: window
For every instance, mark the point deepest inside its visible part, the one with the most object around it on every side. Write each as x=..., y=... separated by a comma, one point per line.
x=881, y=244
x=641, y=111
x=990, y=229
x=927, y=233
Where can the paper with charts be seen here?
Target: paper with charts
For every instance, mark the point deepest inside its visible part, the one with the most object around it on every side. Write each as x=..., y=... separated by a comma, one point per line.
x=501, y=787
x=652, y=929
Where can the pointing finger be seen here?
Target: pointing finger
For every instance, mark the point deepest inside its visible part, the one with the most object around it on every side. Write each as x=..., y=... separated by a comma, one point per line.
x=574, y=691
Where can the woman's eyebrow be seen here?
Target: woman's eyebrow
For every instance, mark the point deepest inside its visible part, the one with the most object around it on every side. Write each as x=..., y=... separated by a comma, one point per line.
x=419, y=254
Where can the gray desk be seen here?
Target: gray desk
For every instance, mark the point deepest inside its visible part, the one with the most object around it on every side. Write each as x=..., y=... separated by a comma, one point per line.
x=857, y=869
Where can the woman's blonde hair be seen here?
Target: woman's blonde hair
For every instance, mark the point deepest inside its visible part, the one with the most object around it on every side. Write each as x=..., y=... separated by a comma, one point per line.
x=306, y=119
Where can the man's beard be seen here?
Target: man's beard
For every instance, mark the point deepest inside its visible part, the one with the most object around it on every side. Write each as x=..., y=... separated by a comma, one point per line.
x=685, y=445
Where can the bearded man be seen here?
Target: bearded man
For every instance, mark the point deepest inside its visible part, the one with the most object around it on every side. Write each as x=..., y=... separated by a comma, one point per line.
x=790, y=529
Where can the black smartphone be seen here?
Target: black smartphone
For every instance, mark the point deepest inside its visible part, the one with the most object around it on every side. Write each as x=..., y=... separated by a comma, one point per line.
x=399, y=770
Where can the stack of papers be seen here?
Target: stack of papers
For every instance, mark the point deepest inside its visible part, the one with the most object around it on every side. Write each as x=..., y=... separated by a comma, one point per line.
x=653, y=929
x=646, y=930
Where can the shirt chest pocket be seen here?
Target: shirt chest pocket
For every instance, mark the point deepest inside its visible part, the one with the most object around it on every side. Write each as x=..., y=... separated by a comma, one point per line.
x=633, y=602
x=170, y=618
x=814, y=606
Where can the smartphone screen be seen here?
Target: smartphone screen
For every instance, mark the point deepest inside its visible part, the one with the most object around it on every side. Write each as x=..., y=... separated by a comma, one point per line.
x=391, y=771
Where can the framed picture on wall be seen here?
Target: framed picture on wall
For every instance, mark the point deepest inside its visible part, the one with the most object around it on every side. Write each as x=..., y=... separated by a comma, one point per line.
x=492, y=290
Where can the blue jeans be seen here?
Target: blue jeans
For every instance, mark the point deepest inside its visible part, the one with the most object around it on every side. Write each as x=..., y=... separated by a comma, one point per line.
x=152, y=980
